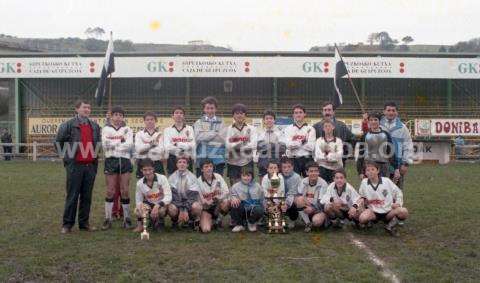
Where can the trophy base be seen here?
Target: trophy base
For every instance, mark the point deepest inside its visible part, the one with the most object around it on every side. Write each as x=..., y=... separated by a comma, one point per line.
x=145, y=236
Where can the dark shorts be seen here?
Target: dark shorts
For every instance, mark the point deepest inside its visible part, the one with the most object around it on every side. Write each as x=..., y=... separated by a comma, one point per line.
x=115, y=165
x=234, y=171
x=381, y=217
x=299, y=165
x=157, y=166
x=327, y=174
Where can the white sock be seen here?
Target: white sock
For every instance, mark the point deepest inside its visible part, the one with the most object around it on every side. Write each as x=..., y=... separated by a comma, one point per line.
x=305, y=217
x=108, y=210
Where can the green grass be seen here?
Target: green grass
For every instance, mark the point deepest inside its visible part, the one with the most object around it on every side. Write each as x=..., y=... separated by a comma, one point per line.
x=438, y=243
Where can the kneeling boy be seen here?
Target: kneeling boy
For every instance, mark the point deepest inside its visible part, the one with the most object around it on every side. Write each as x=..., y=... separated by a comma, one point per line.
x=214, y=195
x=185, y=207
x=153, y=191
x=384, y=200
x=246, y=202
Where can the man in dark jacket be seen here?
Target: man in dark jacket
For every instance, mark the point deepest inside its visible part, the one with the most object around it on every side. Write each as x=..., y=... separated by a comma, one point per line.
x=341, y=130
x=7, y=149
x=76, y=142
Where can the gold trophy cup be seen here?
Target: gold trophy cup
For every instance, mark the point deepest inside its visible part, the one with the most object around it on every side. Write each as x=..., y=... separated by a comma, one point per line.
x=276, y=218
x=145, y=212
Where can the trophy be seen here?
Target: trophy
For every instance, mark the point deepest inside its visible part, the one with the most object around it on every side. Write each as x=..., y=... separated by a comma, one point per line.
x=276, y=217
x=145, y=212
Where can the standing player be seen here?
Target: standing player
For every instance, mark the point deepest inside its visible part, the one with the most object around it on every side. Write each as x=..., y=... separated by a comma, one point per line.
x=341, y=201
x=247, y=202
x=401, y=139
x=241, y=144
x=328, y=152
x=154, y=191
x=300, y=140
x=341, y=130
x=214, y=195
x=311, y=190
x=117, y=142
x=179, y=141
x=376, y=146
x=186, y=207
x=149, y=144
x=210, y=136
x=383, y=199
x=270, y=144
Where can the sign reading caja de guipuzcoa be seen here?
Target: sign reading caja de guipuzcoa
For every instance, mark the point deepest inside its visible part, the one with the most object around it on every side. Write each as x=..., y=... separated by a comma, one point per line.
x=240, y=66
x=447, y=127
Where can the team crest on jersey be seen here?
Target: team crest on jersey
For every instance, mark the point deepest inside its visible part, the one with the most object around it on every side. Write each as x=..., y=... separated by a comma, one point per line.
x=384, y=193
x=348, y=198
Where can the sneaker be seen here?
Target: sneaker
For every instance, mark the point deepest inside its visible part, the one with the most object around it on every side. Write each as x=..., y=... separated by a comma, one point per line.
x=390, y=227
x=238, y=228
x=218, y=223
x=127, y=223
x=252, y=227
x=66, y=230
x=401, y=223
x=107, y=224
x=308, y=228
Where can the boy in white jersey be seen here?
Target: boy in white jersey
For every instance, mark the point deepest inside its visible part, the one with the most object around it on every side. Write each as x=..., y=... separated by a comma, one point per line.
x=328, y=152
x=153, y=190
x=270, y=143
x=241, y=144
x=179, y=141
x=117, y=142
x=341, y=201
x=300, y=140
x=186, y=207
x=310, y=192
x=383, y=199
x=214, y=195
x=149, y=144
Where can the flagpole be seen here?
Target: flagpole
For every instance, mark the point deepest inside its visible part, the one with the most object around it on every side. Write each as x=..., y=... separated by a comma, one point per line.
x=351, y=83
x=110, y=92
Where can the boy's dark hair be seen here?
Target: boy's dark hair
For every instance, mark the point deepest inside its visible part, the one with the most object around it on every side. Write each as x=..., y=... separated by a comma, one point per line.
x=205, y=162
x=150, y=114
x=371, y=163
x=299, y=106
x=118, y=109
x=311, y=164
x=274, y=161
x=391, y=104
x=340, y=171
x=247, y=171
x=180, y=158
x=146, y=162
x=239, y=107
x=286, y=160
x=269, y=113
x=178, y=108
x=376, y=115
x=209, y=100
x=79, y=102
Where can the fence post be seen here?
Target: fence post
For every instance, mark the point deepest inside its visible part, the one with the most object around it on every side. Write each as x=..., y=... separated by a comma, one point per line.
x=34, y=151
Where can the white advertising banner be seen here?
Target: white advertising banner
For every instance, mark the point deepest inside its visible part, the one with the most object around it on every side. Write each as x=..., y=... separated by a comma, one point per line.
x=447, y=127
x=236, y=66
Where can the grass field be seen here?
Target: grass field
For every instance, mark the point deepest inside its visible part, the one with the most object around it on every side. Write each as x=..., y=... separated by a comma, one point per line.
x=439, y=243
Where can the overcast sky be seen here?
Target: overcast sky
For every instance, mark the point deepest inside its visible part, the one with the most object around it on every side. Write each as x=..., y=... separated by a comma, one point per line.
x=250, y=25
